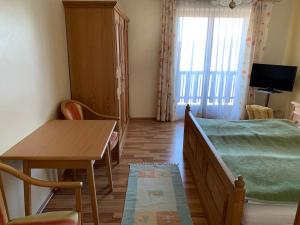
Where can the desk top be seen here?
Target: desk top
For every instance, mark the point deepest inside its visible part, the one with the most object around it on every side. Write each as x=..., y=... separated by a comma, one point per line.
x=64, y=140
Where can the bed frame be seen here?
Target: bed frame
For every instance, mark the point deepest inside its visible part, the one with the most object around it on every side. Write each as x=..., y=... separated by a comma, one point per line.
x=222, y=195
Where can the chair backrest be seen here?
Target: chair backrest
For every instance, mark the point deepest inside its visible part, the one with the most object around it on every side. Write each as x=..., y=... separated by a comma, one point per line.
x=3, y=209
x=259, y=112
x=72, y=110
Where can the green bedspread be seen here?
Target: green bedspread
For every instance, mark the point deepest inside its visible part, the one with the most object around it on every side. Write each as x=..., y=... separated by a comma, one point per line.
x=265, y=152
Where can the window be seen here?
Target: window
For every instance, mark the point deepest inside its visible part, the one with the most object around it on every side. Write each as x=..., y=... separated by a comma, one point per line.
x=209, y=54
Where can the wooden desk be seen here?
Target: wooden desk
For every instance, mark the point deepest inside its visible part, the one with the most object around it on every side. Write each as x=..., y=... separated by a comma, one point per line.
x=65, y=144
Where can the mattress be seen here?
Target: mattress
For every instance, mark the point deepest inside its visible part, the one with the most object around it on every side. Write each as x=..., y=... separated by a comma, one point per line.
x=260, y=146
x=268, y=214
x=265, y=152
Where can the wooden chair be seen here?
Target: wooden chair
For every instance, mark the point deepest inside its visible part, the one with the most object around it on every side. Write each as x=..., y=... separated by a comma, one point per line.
x=57, y=218
x=74, y=110
x=259, y=112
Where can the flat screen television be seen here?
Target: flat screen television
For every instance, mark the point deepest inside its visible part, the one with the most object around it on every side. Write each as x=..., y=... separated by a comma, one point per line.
x=273, y=77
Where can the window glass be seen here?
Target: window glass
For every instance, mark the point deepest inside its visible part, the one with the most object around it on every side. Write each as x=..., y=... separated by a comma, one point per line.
x=194, y=35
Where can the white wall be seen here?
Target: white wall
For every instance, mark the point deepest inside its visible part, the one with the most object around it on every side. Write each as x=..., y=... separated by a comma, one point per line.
x=33, y=79
x=275, y=52
x=144, y=47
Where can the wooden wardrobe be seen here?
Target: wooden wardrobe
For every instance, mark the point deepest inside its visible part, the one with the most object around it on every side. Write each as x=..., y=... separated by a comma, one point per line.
x=97, y=36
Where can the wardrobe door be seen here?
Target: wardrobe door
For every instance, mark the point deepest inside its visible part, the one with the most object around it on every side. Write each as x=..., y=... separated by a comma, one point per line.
x=123, y=73
x=121, y=39
x=118, y=69
x=126, y=71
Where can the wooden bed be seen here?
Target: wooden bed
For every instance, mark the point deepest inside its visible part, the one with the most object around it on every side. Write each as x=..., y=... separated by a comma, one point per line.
x=222, y=194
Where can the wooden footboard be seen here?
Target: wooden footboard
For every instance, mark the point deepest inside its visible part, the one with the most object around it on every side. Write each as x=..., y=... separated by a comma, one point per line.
x=222, y=194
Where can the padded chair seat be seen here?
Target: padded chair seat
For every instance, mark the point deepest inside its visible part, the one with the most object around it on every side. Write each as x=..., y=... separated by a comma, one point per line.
x=51, y=218
x=113, y=140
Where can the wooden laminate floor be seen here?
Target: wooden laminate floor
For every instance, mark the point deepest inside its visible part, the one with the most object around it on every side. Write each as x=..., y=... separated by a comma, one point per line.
x=146, y=141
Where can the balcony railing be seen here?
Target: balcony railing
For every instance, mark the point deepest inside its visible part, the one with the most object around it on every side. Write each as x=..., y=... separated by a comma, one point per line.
x=213, y=88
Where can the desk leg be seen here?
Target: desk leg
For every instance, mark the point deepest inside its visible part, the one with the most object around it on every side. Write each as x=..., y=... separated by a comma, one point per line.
x=27, y=188
x=92, y=188
x=108, y=167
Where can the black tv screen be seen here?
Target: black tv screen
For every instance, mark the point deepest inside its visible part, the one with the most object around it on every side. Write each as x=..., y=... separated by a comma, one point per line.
x=273, y=77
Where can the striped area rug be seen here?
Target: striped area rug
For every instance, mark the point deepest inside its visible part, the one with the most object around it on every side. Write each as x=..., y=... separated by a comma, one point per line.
x=155, y=196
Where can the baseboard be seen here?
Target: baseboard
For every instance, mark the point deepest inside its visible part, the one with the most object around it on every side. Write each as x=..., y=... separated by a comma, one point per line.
x=60, y=177
x=47, y=200
x=142, y=118
x=122, y=142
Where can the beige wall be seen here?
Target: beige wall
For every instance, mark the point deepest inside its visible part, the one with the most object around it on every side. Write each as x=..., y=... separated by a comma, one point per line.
x=293, y=50
x=275, y=52
x=144, y=44
x=144, y=41
x=33, y=79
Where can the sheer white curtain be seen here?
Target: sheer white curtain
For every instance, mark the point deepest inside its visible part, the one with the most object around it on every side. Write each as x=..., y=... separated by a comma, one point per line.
x=209, y=55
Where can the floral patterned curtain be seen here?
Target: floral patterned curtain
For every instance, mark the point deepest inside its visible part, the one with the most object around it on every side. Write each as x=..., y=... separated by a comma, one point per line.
x=256, y=42
x=166, y=87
